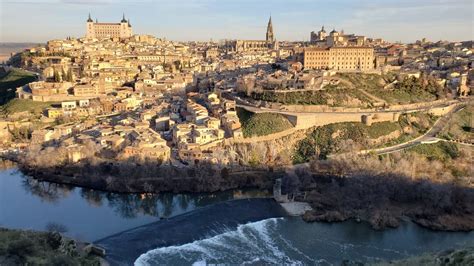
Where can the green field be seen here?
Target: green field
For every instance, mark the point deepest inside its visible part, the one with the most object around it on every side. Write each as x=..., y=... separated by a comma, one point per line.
x=262, y=124
x=10, y=81
x=20, y=105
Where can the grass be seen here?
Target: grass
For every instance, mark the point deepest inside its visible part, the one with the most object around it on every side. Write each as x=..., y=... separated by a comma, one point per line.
x=334, y=138
x=405, y=91
x=262, y=124
x=363, y=81
x=22, y=105
x=401, y=96
x=460, y=125
x=332, y=96
x=18, y=247
x=440, y=151
x=13, y=79
x=380, y=129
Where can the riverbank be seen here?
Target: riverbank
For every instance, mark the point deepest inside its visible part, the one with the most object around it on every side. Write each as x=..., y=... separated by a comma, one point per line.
x=24, y=247
x=384, y=200
x=463, y=256
x=142, y=178
x=89, y=215
x=125, y=247
x=385, y=191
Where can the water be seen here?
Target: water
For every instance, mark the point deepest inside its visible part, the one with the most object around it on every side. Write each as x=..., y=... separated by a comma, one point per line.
x=290, y=241
x=90, y=215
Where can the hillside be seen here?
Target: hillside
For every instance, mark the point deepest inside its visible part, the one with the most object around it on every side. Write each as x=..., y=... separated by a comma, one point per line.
x=11, y=80
x=350, y=136
x=262, y=124
x=18, y=247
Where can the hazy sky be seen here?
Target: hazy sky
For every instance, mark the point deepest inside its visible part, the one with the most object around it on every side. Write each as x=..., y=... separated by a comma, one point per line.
x=404, y=20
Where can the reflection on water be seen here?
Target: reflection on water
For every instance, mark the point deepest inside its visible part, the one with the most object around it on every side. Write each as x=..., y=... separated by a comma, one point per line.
x=91, y=214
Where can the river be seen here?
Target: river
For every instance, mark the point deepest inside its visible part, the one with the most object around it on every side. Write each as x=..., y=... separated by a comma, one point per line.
x=90, y=215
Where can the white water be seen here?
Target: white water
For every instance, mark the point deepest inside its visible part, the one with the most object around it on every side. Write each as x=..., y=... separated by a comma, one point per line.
x=290, y=241
x=250, y=243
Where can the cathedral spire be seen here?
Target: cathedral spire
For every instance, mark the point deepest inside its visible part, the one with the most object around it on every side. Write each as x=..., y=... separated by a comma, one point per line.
x=270, y=36
x=89, y=19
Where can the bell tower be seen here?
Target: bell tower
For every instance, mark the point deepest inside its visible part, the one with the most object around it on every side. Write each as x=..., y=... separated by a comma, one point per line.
x=270, y=37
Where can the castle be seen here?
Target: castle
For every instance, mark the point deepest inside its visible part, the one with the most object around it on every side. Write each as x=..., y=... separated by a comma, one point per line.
x=338, y=51
x=96, y=30
x=255, y=45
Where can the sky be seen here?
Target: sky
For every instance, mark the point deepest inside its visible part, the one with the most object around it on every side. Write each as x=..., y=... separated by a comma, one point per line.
x=202, y=20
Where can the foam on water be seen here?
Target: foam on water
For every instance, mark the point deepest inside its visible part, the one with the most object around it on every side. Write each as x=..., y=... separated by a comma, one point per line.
x=291, y=241
x=250, y=243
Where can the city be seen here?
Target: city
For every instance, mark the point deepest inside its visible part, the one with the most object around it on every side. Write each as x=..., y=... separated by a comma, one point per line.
x=337, y=127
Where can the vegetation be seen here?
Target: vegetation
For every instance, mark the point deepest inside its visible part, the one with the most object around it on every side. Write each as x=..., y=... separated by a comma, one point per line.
x=40, y=248
x=460, y=125
x=463, y=256
x=366, y=81
x=441, y=151
x=22, y=105
x=347, y=93
x=350, y=136
x=332, y=96
x=406, y=90
x=328, y=139
x=384, y=189
x=380, y=129
x=10, y=81
x=412, y=90
x=262, y=124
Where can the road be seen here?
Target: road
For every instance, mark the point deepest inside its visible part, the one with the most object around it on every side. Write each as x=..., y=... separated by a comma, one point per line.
x=428, y=137
x=242, y=103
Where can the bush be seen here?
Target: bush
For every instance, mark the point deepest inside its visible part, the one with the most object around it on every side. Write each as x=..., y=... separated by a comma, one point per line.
x=328, y=139
x=441, y=151
x=22, y=248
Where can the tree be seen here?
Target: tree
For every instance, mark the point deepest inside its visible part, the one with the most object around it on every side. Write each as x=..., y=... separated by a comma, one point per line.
x=69, y=75
x=63, y=74
x=56, y=76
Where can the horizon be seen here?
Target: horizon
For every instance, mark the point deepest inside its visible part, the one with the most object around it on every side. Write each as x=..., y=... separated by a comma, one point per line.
x=204, y=20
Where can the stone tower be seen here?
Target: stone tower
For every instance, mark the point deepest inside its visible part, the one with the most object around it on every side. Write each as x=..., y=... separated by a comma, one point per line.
x=270, y=37
x=463, y=89
x=90, y=33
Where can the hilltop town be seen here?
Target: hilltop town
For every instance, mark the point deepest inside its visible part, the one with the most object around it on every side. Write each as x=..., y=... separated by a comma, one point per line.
x=114, y=96
x=341, y=122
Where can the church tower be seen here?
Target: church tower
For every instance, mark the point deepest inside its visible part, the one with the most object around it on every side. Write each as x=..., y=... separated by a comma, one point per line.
x=270, y=37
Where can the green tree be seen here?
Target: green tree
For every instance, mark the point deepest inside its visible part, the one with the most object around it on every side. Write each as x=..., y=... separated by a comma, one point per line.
x=69, y=75
x=56, y=76
x=63, y=75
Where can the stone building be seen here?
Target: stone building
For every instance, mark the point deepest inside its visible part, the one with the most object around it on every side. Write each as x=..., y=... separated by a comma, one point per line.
x=255, y=45
x=108, y=30
x=339, y=38
x=339, y=58
x=463, y=90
